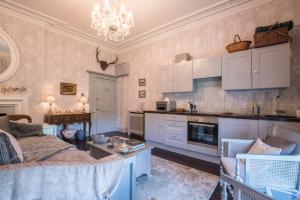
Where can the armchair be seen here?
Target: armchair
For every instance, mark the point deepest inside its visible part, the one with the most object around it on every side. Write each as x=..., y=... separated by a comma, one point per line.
x=244, y=175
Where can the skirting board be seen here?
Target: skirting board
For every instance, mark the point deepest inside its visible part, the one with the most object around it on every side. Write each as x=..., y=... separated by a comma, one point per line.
x=200, y=156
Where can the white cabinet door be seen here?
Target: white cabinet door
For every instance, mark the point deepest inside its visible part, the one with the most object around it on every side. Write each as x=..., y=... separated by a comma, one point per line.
x=271, y=66
x=153, y=128
x=237, y=129
x=236, y=70
x=183, y=77
x=166, y=79
x=207, y=67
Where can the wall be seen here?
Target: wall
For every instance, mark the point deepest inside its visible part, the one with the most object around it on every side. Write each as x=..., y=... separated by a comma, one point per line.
x=48, y=57
x=210, y=39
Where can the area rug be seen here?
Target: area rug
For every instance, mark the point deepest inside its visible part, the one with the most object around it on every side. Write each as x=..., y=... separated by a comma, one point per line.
x=173, y=181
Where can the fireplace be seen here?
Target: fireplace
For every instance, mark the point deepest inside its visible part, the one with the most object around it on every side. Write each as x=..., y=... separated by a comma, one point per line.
x=13, y=105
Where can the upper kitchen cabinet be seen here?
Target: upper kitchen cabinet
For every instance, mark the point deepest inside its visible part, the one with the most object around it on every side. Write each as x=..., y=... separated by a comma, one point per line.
x=166, y=79
x=183, y=77
x=266, y=67
x=271, y=66
x=236, y=70
x=207, y=67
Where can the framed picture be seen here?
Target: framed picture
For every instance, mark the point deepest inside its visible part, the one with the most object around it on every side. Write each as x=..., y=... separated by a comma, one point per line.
x=68, y=88
x=142, y=94
x=142, y=82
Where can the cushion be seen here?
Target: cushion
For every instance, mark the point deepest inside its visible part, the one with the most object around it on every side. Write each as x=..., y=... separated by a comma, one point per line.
x=10, y=150
x=261, y=148
x=287, y=147
x=4, y=123
x=228, y=165
x=19, y=130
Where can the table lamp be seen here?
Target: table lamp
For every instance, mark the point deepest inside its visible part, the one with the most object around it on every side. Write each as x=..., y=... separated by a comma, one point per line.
x=83, y=100
x=50, y=99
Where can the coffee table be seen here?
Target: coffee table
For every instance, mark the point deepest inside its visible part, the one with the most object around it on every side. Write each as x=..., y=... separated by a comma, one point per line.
x=143, y=156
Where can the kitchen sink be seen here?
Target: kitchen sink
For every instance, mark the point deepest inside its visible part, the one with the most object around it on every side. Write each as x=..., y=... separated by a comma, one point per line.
x=280, y=116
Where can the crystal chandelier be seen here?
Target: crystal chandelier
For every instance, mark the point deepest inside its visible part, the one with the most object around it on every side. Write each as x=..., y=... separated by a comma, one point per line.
x=112, y=24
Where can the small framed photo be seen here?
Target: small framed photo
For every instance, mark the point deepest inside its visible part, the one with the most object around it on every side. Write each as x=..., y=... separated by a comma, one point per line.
x=142, y=94
x=68, y=88
x=142, y=82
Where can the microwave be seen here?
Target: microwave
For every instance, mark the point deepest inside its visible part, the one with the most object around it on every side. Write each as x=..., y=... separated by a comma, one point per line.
x=166, y=106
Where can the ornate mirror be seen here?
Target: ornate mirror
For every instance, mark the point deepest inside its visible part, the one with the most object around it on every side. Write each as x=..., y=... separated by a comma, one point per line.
x=9, y=56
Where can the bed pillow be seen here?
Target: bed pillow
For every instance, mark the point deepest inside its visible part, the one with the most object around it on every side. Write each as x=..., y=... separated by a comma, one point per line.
x=19, y=130
x=261, y=148
x=287, y=147
x=10, y=150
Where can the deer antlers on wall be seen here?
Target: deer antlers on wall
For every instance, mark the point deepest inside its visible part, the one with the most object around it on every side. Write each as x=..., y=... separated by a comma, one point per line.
x=104, y=64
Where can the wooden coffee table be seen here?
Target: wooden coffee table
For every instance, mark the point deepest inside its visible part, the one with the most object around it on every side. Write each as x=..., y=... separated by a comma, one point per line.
x=143, y=156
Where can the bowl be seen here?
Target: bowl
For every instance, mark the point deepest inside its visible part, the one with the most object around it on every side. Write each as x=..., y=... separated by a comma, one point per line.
x=99, y=139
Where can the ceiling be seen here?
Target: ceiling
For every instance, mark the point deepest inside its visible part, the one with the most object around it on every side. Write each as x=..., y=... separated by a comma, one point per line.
x=148, y=14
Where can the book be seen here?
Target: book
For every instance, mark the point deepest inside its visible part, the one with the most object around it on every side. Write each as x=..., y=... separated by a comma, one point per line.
x=134, y=143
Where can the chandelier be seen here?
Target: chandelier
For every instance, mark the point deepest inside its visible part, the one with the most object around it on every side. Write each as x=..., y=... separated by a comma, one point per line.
x=112, y=24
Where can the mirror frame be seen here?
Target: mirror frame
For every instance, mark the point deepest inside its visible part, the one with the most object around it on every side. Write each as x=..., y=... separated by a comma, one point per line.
x=15, y=57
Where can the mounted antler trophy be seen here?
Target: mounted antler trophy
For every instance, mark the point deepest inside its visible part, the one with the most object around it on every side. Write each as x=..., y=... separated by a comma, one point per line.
x=104, y=64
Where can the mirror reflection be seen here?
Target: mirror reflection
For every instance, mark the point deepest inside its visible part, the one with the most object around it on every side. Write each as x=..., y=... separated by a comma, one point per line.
x=5, y=55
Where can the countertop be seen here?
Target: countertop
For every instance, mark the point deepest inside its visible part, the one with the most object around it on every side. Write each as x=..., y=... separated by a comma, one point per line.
x=285, y=118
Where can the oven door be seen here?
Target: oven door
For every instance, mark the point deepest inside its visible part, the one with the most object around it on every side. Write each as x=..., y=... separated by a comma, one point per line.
x=203, y=133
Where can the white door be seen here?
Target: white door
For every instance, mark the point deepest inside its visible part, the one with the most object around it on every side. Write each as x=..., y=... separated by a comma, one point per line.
x=153, y=128
x=236, y=70
x=166, y=79
x=183, y=77
x=271, y=66
x=105, y=104
x=207, y=67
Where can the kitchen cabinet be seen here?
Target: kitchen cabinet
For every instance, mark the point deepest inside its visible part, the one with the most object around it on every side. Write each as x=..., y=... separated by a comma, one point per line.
x=177, y=77
x=237, y=129
x=153, y=128
x=236, y=70
x=207, y=67
x=266, y=67
x=271, y=66
x=166, y=79
x=183, y=77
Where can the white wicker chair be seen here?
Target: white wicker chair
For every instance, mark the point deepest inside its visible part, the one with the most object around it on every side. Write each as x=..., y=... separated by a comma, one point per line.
x=240, y=170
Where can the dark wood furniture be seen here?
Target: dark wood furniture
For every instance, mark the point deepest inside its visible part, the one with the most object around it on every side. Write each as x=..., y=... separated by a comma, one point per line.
x=70, y=118
x=18, y=117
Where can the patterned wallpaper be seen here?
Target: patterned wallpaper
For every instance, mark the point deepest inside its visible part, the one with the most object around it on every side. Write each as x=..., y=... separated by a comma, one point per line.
x=48, y=58
x=211, y=39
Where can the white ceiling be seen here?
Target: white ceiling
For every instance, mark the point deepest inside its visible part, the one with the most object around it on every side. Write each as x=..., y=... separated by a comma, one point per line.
x=148, y=14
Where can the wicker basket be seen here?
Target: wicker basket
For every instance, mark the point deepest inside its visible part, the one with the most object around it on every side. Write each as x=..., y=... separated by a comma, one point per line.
x=238, y=45
x=271, y=37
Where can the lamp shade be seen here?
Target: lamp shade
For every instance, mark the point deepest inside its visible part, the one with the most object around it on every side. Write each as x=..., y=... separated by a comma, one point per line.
x=50, y=99
x=83, y=99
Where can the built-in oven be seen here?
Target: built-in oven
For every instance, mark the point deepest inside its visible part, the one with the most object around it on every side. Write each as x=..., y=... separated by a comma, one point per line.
x=203, y=131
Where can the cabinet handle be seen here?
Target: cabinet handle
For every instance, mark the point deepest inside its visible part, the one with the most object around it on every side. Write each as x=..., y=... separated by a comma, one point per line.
x=249, y=72
x=256, y=71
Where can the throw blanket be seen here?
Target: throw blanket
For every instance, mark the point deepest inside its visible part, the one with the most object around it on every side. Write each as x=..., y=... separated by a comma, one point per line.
x=41, y=148
x=56, y=180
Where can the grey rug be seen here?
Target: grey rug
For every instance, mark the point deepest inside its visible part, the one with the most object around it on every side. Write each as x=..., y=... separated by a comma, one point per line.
x=172, y=181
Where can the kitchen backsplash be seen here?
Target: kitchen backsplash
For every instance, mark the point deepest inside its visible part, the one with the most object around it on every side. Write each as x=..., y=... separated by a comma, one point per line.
x=210, y=97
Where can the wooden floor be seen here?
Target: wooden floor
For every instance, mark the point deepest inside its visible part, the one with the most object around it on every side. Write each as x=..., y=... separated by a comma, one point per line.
x=205, y=166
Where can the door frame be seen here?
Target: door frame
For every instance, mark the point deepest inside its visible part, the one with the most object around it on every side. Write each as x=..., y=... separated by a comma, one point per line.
x=92, y=100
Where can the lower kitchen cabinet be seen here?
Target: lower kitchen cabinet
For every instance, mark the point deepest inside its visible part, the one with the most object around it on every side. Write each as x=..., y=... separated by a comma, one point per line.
x=237, y=129
x=152, y=127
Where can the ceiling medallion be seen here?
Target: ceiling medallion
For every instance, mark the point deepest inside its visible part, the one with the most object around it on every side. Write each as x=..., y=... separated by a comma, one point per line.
x=111, y=23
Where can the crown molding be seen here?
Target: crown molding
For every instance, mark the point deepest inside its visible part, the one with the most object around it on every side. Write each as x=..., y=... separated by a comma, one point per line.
x=219, y=10
x=53, y=23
